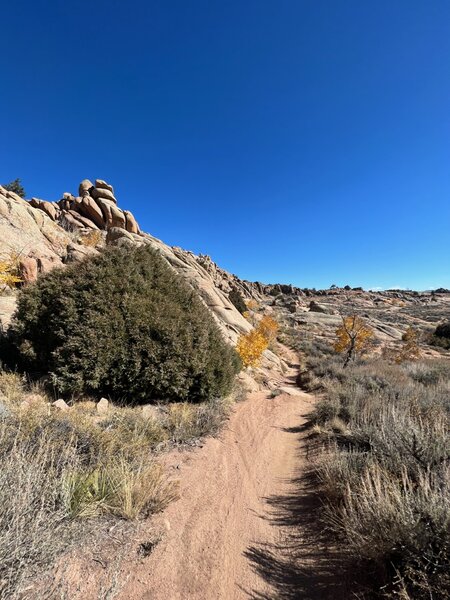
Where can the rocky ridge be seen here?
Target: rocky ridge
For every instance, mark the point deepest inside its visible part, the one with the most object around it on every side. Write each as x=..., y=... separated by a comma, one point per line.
x=44, y=235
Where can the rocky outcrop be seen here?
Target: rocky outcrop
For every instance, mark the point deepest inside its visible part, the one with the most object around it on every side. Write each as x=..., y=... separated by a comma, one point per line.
x=94, y=208
x=47, y=231
x=321, y=308
x=30, y=236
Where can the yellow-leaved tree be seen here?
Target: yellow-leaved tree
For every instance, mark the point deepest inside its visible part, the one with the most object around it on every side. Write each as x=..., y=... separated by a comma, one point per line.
x=268, y=327
x=352, y=337
x=251, y=346
x=9, y=272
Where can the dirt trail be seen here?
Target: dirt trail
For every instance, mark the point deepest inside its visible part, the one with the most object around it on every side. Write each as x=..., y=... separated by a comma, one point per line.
x=221, y=516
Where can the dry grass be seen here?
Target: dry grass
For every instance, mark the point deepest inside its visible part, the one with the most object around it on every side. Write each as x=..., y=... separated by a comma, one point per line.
x=384, y=471
x=125, y=489
x=34, y=525
x=60, y=467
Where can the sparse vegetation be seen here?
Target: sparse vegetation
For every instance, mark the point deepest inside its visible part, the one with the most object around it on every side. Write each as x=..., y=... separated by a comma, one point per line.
x=9, y=271
x=353, y=337
x=92, y=239
x=441, y=336
x=16, y=187
x=385, y=470
x=237, y=300
x=123, y=325
x=60, y=467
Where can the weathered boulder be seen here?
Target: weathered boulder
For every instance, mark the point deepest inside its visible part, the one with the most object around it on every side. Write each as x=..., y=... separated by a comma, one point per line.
x=97, y=193
x=78, y=252
x=102, y=406
x=100, y=184
x=50, y=208
x=105, y=206
x=60, y=405
x=118, y=218
x=91, y=210
x=28, y=269
x=84, y=221
x=321, y=308
x=131, y=223
x=28, y=232
x=84, y=188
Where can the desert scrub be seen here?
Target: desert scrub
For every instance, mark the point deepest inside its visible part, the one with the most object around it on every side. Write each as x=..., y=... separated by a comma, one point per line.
x=34, y=524
x=59, y=467
x=235, y=297
x=384, y=471
x=123, y=325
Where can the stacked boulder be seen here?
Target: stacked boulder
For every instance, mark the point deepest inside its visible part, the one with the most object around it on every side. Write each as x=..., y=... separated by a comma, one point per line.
x=95, y=208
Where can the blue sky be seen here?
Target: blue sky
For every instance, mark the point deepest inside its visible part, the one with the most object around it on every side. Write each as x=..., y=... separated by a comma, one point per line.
x=300, y=141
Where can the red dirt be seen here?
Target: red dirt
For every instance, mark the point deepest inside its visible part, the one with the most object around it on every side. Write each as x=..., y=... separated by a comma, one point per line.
x=220, y=514
x=243, y=526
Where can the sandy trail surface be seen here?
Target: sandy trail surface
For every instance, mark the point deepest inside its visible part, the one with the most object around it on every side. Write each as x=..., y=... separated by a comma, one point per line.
x=223, y=527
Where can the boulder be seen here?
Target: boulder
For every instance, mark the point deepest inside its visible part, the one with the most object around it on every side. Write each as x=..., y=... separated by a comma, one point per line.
x=249, y=384
x=84, y=221
x=7, y=308
x=26, y=228
x=85, y=187
x=131, y=223
x=46, y=264
x=28, y=269
x=102, y=406
x=321, y=308
x=90, y=209
x=100, y=184
x=118, y=218
x=78, y=252
x=61, y=405
x=50, y=208
x=97, y=193
x=105, y=206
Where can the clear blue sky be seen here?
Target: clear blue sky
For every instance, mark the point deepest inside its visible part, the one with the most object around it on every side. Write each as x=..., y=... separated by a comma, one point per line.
x=298, y=141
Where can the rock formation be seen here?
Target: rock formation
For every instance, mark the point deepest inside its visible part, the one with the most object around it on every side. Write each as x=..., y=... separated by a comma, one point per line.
x=30, y=235
x=95, y=208
x=42, y=234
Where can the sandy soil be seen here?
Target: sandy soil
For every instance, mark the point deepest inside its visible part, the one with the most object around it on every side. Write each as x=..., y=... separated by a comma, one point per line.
x=243, y=527
x=222, y=515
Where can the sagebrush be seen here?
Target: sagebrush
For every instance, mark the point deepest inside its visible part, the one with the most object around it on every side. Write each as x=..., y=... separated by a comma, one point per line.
x=385, y=469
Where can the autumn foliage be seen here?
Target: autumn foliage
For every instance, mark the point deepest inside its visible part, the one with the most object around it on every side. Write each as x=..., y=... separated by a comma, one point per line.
x=268, y=327
x=409, y=350
x=251, y=346
x=353, y=337
x=9, y=272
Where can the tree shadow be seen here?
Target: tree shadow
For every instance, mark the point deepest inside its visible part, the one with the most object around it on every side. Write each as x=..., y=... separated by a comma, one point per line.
x=304, y=564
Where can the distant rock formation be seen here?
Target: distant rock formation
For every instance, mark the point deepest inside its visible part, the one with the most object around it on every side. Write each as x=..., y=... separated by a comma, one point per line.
x=46, y=234
x=95, y=208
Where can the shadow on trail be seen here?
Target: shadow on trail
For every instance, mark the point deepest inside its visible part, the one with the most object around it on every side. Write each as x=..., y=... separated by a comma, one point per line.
x=302, y=565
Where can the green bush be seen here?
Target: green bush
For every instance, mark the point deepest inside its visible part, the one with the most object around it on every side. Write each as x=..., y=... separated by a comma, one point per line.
x=443, y=331
x=16, y=187
x=237, y=300
x=123, y=325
